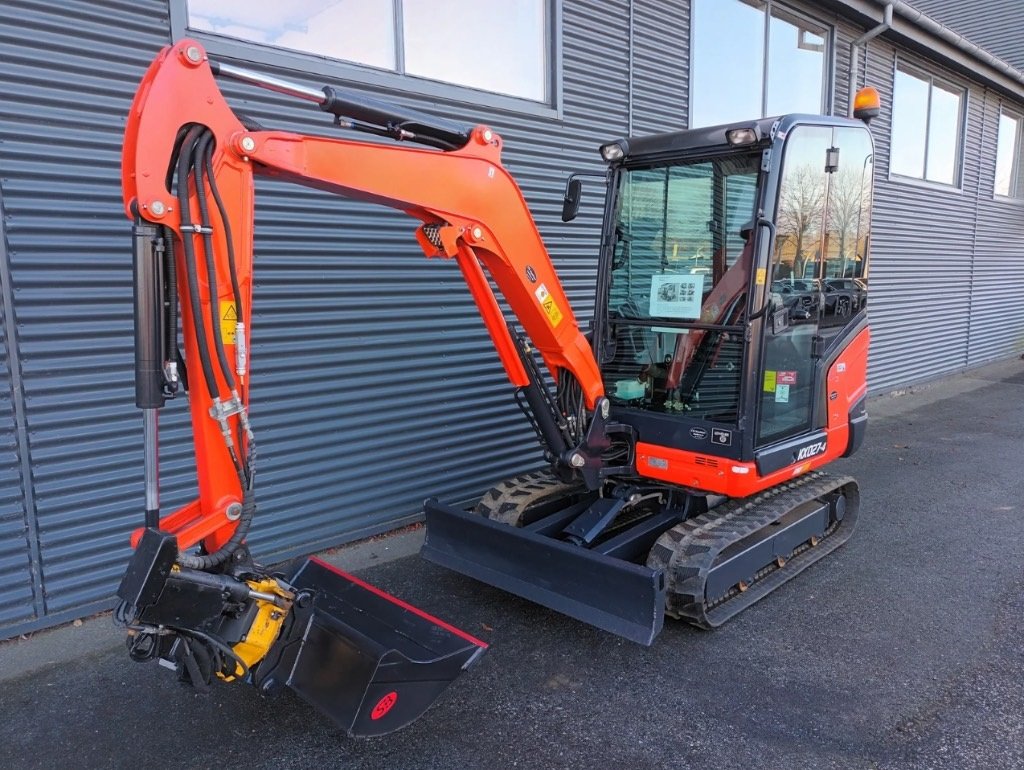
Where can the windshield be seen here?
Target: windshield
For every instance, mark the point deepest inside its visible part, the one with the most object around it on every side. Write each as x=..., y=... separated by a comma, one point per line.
x=681, y=256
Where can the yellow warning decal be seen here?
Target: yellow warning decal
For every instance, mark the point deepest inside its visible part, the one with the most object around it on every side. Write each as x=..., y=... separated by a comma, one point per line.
x=228, y=319
x=769, y=381
x=547, y=302
x=760, y=276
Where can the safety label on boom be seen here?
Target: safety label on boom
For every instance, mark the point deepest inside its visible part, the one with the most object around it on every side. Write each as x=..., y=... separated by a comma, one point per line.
x=548, y=303
x=228, y=319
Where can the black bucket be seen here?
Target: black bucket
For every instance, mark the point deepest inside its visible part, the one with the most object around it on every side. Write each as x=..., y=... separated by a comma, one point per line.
x=368, y=660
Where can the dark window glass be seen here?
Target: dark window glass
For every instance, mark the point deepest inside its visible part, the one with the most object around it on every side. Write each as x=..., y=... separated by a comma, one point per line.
x=681, y=256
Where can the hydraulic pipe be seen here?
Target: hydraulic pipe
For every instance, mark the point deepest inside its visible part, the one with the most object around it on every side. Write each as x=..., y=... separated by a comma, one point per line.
x=149, y=355
x=409, y=124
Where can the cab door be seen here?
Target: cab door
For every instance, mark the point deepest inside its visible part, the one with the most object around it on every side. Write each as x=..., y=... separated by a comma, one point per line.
x=818, y=272
x=793, y=321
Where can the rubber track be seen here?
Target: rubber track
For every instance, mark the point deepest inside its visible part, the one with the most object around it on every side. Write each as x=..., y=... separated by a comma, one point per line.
x=510, y=499
x=688, y=551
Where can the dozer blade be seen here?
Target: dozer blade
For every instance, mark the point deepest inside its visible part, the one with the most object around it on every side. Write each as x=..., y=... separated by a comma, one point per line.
x=366, y=659
x=613, y=594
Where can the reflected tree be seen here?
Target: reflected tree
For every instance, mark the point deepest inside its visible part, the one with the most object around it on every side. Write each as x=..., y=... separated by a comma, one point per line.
x=801, y=211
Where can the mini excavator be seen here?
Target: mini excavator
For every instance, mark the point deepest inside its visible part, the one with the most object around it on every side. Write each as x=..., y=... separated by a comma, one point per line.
x=683, y=433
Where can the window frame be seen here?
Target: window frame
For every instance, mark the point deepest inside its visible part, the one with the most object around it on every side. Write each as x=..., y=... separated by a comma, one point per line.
x=341, y=71
x=1017, y=168
x=900, y=64
x=828, y=94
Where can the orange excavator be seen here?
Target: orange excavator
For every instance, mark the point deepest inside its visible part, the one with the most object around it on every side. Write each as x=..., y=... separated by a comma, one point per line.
x=683, y=434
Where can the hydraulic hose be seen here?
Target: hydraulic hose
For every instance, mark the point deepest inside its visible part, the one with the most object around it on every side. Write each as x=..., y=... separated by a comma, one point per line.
x=226, y=224
x=203, y=150
x=192, y=155
x=218, y=557
x=184, y=156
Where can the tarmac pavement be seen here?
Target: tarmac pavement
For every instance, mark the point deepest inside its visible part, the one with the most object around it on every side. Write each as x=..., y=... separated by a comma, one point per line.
x=903, y=649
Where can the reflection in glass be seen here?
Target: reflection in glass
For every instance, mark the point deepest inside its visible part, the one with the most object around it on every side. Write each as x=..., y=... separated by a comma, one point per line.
x=795, y=299
x=494, y=45
x=728, y=61
x=733, y=79
x=847, y=230
x=943, y=135
x=909, y=125
x=796, y=65
x=801, y=208
x=1007, y=152
x=359, y=31
x=682, y=255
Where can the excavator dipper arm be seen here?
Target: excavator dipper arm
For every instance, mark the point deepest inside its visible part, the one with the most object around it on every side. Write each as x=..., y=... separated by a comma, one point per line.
x=370, y=661
x=470, y=208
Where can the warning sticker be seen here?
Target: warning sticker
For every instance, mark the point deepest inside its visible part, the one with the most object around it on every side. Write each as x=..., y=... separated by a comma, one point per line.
x=769, y=381
x=760, y=276
x=228, y=319
x=547, y=302
x=786, y=378
x=782, y=394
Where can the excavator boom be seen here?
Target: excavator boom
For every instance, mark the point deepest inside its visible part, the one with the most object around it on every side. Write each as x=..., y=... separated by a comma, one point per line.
x=370, y=661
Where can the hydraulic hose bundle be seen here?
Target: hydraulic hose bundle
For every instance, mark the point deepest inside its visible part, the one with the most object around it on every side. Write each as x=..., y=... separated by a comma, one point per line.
x=195, y=161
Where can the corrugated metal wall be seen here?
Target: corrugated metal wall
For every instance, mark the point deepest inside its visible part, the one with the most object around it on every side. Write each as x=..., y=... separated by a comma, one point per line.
x=934, y=297
x=374, y=383
x=17, y=598
x=661, y=66
x=996, y=323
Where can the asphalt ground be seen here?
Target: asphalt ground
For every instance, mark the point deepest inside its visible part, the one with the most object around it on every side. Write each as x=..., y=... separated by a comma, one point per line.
x=903, y=649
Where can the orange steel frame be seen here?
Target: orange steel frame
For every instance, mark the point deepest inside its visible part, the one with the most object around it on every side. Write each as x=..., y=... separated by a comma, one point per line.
x=484, y=222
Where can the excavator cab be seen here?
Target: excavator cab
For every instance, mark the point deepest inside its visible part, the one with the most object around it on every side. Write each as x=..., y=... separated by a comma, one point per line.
x=735, y=267
x=731, y=335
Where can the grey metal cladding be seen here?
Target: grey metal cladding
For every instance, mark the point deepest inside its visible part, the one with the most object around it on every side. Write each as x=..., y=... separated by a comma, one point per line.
x=16, y=597
x=997, y=281
x=661, y=66
x=66, y=80
x=374, y=383
x=921, y=247
x=976, y=21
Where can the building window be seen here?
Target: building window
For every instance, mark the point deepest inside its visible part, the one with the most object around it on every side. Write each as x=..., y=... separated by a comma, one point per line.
x=754, y=58
x=927, y=120
x=1009, y=157
x=492, y=45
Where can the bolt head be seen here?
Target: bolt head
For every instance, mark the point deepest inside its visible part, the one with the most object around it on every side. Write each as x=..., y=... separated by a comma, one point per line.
x=488, y=135
x=478, y=233
x=248, y=143
x=577, y=460
x=606, y=408
x=193, y=54
x=157, y=208
x=234, y=511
